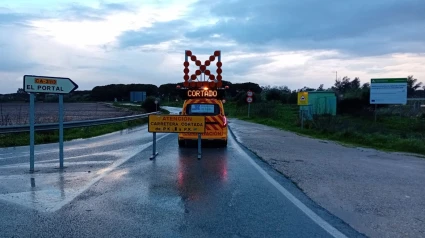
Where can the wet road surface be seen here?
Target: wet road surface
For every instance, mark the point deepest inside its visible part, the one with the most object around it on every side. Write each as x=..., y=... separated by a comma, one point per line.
x=110, y=188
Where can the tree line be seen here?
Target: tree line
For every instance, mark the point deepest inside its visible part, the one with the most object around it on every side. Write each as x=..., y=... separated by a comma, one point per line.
x=346, y=89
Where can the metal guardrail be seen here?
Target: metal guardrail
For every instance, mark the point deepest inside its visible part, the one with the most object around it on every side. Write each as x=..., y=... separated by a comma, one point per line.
x=71, y=124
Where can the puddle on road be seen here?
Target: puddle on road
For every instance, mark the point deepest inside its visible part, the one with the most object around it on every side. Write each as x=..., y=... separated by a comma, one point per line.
x=42, y=191
x=50, y=189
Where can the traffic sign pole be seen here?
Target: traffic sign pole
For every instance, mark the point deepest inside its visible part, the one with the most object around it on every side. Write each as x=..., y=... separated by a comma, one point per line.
x=199, y=146
x=61, y=131
x=249, y=95
x=32, y=132
x=376, y=108
x=44, y=84
x=154, y=153
x=302, y=119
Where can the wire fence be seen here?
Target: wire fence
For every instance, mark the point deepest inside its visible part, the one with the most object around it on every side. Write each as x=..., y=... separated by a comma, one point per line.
x=415, y=107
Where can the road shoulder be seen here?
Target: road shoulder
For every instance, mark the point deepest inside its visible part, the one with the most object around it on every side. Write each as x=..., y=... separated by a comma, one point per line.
x=378, y=193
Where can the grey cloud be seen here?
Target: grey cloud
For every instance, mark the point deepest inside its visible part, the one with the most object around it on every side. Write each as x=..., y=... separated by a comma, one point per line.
x=16, y=19
x=11, y=61
x=16, y=66
x=243, y=66
x=70, y=12
x=81, y=12
x=159, y=32
x=357, y=27
x=205, y=47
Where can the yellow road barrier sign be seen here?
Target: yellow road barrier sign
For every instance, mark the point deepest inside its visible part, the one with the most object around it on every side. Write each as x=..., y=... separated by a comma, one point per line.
x=176, y=124
x=302, y=98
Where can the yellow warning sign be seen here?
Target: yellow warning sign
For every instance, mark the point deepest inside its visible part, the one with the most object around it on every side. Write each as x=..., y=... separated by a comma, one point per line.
x=302, y=98
x=176, y=124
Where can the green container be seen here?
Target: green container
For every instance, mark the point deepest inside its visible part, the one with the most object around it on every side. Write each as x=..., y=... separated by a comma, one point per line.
x=319, y=103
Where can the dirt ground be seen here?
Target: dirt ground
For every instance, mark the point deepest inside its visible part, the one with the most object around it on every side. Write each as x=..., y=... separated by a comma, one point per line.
x=18, y=113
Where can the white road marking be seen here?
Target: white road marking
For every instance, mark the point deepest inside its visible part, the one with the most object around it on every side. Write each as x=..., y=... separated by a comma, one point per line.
x=313, y=216
x=37, y=163
x=13, y=152
x=102, y=174
x=52, y=199
x=53, y=165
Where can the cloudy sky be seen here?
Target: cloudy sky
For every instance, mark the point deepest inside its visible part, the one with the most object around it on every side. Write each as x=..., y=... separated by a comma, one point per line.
x=270, y=42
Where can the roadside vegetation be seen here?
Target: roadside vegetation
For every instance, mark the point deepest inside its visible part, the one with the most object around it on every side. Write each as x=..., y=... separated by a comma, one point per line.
x=173, y=103
x=397, y=128
x=44, y=137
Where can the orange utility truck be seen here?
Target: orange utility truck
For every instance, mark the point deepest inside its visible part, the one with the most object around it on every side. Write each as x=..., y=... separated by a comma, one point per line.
x=204, y=97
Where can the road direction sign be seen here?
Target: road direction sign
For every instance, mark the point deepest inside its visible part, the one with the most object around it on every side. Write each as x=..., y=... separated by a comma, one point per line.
x=45, y=84
x=249, y=93
x=176, y=124
x=388, y=91
x=249, y=99
x=302, y=98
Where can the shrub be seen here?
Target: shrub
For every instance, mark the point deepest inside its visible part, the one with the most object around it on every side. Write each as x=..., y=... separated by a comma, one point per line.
x=273, y=94
x=149, y=104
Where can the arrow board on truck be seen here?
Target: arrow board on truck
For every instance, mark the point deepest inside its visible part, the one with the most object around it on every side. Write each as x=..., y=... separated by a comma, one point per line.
x=45, y=84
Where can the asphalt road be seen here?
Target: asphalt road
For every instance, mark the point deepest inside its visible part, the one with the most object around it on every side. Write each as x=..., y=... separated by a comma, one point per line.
x=110, y=188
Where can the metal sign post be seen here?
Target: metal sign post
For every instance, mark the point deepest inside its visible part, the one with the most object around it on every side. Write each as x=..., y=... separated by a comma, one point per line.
x=32, y=131
x=44, y=84
x=375, y=111
x=302, y=119
x=249, y=100
x=61, y=131
x=302, y=101
x=154, y=153
x=199, y=146
x=175, y=124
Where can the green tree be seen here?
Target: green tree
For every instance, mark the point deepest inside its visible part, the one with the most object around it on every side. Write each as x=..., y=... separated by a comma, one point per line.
x=412, y=85
x=273, y=94
x=355, y=84
x=149, y=104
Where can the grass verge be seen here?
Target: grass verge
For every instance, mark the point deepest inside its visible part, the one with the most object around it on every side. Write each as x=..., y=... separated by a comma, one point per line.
x=137, y=108
x=134, y=107
x=173, y=103
x=44, y=137
x=390, y=133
